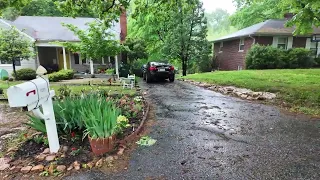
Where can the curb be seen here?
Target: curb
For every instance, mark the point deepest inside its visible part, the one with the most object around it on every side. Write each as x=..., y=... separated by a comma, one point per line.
x=131, y=137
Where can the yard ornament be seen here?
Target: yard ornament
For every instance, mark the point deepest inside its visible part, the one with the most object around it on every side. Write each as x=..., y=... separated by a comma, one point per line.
x=33, y=95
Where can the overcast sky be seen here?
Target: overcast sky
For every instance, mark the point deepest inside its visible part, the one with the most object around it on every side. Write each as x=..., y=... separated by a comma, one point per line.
x=211, y=5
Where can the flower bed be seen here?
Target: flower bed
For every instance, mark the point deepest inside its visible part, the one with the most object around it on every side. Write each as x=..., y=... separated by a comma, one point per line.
x=74, y=117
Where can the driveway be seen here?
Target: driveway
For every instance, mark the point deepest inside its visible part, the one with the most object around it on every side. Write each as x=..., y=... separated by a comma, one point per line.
x=205, y=135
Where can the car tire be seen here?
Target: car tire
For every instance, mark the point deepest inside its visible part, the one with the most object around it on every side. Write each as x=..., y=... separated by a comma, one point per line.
x=171, y=79
x=144, y=76
x=148, y=79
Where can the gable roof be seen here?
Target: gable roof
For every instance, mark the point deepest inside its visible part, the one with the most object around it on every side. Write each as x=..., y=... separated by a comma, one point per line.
x=268, y=27
x=43, y=28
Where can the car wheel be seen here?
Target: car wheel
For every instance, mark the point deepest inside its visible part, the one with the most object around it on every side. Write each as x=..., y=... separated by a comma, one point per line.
x=171, y=79
x=148, y=79
x=144, y=76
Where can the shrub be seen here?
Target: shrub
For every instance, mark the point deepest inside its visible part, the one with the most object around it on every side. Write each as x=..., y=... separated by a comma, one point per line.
x=5, y=78
x=110, y=71
x=61, y=75
x=268, y=57
x=1, y=91
x=25, y=74
x=10, y=79
x=317, y=62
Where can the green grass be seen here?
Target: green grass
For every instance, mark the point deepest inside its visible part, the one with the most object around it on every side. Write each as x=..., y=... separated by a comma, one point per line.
x=300, y=88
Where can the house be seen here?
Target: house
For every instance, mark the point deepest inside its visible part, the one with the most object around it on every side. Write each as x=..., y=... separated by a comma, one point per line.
x=44, y=31
x=231, y=50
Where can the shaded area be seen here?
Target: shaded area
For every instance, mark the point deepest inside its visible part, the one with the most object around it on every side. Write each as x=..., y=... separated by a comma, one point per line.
x=203, y=134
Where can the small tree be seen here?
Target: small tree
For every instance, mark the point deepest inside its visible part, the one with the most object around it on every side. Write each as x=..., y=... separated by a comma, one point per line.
x=14, y=46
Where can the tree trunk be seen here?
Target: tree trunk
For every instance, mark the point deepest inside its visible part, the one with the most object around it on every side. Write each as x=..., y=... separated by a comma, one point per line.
x=14, y=68
x=184, y=67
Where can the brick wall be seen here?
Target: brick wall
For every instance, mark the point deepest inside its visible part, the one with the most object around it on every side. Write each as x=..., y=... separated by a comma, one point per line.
x=230, y=57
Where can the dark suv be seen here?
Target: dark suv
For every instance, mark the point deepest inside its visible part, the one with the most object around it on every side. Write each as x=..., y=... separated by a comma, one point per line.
x=158, y=70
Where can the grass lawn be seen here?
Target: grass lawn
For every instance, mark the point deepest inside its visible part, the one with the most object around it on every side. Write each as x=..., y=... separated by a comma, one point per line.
x=300, y=88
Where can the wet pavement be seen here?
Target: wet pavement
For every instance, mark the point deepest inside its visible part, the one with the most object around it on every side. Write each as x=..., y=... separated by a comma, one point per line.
x=205, y=135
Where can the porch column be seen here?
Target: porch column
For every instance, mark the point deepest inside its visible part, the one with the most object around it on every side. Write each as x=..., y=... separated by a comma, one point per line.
x=109, y=59
x=91, y=66
x=64, y=58
x=117, y=66
x=37, y=60
x=102, y=61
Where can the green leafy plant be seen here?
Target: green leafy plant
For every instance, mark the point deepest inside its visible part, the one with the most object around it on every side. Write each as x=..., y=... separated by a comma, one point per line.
x=5, y=78
x=25, y=74
x=110, y=71
x=100, y=117
x=45, y=141
x=44, y=173
x=1, y=91
x=75, y=151
x=146, y=141
x=64, y=91
x=38, y=139
x=122, y=123
x=36, y=123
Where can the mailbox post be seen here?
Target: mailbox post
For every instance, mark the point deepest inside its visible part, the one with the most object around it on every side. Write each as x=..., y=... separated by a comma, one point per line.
x=33, y=95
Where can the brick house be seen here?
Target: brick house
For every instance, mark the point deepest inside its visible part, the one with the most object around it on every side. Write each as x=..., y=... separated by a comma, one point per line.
x=230, y=51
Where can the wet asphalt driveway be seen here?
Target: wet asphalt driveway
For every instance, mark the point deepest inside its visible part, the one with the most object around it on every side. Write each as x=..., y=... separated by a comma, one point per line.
x=205, y=135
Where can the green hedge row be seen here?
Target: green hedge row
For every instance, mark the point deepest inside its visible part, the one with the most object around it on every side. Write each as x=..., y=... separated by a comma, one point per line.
x=61, y=75
x=268, y=57
x=25, y=74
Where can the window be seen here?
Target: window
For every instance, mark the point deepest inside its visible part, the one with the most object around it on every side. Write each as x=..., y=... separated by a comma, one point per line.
x=85, y=61
x=17, y=62
x=282, y=42
x=76, y=58
x=313, y=48
x=221, y=46
x=241, y=45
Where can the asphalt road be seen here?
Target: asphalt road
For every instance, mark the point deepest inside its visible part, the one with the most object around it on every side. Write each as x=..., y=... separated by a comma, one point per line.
x=205, y=135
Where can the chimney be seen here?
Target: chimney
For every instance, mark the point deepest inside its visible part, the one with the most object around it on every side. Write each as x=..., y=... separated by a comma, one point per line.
x=288, y=16
x=123, y=25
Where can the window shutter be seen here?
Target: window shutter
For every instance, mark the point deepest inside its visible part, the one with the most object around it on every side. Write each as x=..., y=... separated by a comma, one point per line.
x=308, y=43
x=290, y=42
x=275, y=42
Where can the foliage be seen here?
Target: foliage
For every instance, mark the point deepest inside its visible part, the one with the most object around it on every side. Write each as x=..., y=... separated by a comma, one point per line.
x=36, y=123
x=298, y=88
x=218, y=24
x=5, y=78
x=136, y=49
x=25, y=74
x=146, y=141
x=122, y=123
x=64, y=91
x=38, y=139
x=10, y=13
x=61, y=75
x=130, y=108
x=95, y=42
x=172, y=29
x=110, y=71
x=75, y=152
x=268, y=57
x=1, y=91
x=100, y=117
x=41, y=8
x=14, y=46
x=253, y=11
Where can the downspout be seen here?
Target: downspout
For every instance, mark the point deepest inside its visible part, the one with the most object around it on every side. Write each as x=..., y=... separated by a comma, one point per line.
x=254, y=40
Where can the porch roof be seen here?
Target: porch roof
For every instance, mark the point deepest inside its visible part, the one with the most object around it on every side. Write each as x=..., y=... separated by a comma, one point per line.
x=43, y=28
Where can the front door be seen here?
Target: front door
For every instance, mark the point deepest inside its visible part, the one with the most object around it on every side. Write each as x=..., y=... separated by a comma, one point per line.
x=61, y=62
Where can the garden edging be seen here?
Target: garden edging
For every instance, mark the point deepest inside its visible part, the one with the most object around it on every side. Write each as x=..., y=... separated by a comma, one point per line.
x=231, y=90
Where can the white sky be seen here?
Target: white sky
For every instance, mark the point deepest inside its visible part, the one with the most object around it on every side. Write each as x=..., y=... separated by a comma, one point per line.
x=211, y=5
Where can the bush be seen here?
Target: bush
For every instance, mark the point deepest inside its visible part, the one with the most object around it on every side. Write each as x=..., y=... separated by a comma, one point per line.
x=1, y=91
x=268, y=57
x=61, y=75
x=110, y=71
x=5, y=78
x=25, y=74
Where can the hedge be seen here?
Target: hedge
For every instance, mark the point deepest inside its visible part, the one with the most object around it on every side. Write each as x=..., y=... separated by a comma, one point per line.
x=61, y=75
x=268, y=57
x=25, y=74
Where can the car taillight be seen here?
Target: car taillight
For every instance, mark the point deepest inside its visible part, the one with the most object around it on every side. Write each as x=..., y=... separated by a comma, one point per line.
x=152, y=68
x=171, y=68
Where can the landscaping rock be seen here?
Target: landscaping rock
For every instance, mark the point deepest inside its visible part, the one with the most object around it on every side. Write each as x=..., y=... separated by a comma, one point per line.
x=244, y=96
x=61, y=168
x=38, y=168
x=90, y=164
x=99, y=163
x=15, y=169
x=46, y=151
x=70, y=168
x=26, y=169
x=115, y=157
x=7, y=136
x=4, y=163
x=65, y=149
x=41, y=157
x=109, y=159
x=51, y=168
x=76, y=165
x=12, y=149
x=50, y=158
x=120, y=151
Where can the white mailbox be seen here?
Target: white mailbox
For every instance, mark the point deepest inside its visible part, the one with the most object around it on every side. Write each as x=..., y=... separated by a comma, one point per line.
x=33, y=94
x=30, y=94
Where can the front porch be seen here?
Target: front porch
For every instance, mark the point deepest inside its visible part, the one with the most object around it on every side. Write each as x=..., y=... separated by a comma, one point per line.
x=55, y=58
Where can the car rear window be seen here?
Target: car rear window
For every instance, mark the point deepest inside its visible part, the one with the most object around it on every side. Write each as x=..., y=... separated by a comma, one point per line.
x=158, y=63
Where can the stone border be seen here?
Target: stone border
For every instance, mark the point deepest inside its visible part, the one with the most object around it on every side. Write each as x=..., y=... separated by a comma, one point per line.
x=232, y=90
